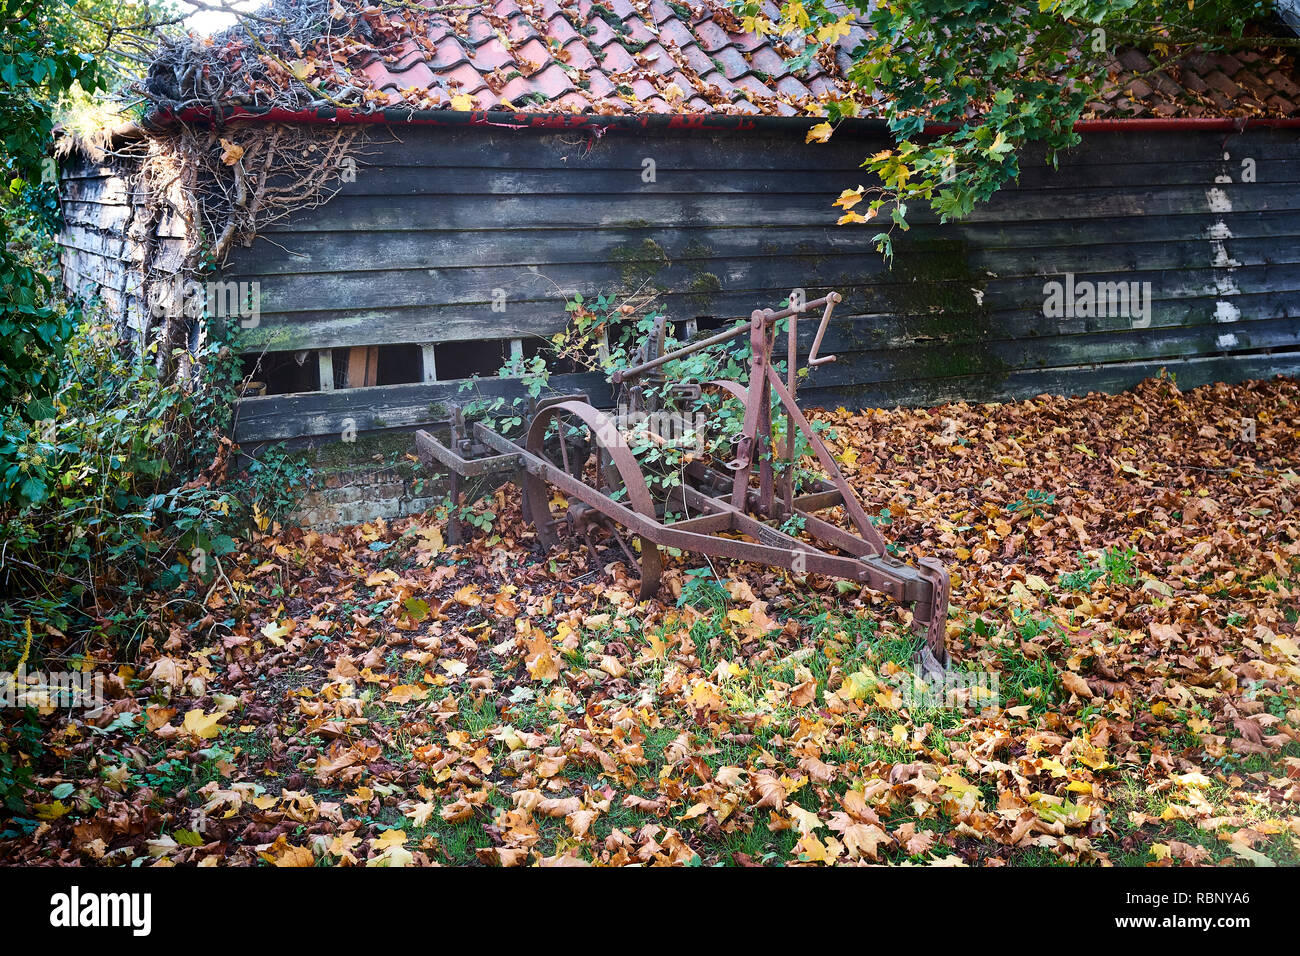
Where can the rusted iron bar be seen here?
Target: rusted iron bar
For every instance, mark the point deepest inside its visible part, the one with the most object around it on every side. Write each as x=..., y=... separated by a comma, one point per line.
x=429, y=450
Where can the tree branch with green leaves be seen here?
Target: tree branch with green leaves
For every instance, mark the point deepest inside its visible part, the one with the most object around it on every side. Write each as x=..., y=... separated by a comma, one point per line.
x=966, y=85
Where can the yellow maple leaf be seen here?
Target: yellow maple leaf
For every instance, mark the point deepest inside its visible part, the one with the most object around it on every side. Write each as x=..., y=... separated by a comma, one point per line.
x=656, y=650
x=262, y=520
x=468, y=596
x=794, y=17
x=297, y=856
x=421, y=812
x=805, y=820
x=395, y=856
x=203, y=725
x=389, y=838
x=431, y=539
x=812, y=849
x=52, y=811
x=849, y=198
x=820, y=133
x=405, y=693
x=275, y=632
x=833, y=31
x=705, y=696
x=1090, y=755
x=463, y=103
x=231, y=153
x=543, y=667
x=863, y=839
x=858, y=685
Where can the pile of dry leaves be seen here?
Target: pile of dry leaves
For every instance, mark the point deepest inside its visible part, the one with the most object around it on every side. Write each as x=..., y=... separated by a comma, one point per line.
x=1125, y=571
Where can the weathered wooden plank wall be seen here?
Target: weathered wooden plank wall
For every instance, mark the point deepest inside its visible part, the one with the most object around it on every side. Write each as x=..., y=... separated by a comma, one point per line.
x=440, y=223
x=101, y=249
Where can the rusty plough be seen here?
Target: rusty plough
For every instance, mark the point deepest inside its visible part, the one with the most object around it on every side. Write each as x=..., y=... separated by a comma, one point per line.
x=724, y=510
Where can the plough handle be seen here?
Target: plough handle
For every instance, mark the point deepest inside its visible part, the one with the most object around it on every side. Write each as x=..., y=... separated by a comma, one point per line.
x=813, y=358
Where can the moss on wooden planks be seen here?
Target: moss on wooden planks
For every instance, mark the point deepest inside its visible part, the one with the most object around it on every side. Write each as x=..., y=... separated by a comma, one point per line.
x=704, y=285
x=369, y=452
x=639, y=264
x=702, y=290
x=942, y=300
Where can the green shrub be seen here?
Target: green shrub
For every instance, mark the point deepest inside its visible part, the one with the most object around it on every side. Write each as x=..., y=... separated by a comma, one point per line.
x=118, y=484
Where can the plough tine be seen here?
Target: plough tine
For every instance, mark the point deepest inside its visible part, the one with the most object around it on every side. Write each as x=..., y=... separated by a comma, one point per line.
x=933, y=615
x=851, y=505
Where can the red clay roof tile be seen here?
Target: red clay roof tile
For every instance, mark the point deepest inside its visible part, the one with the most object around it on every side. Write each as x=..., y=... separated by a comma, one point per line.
x=615, y=59
x=1282, y=83
x=711, y=36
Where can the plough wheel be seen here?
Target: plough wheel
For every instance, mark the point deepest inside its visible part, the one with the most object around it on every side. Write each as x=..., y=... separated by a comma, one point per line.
x=612, y=468
x=734, y=389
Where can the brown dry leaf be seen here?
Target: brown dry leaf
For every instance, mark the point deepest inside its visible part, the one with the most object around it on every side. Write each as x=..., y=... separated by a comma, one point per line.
x=231, y=153
x=803, y=694
x=771, y=791
x=528, y=708
x=863, y=840
x=1075, y=684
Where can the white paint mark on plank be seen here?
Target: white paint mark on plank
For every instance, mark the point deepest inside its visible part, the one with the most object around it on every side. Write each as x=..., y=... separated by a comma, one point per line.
x=1226, y=312
x=1218, y=200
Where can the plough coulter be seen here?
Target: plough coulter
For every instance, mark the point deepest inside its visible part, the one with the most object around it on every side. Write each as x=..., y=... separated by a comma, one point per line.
x=722, y=509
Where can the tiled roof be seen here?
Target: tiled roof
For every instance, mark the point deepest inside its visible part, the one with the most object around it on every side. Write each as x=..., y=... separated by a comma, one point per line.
x=612, y=56
x=1244, y=83
x=682, y=57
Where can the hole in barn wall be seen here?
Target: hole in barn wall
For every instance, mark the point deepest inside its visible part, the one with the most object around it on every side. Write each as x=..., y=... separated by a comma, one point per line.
x=558, y=366
x=280, y=373
x=698, y=327
x=399, y=364
x=366, y=365
x=456, y=360
x=283, y=373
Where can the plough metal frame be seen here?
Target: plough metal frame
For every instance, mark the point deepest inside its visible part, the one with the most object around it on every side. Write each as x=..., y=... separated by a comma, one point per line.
x=721, y=503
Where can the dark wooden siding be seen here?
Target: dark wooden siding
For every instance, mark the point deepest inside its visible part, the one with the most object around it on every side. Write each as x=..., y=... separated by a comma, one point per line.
x=438, y=220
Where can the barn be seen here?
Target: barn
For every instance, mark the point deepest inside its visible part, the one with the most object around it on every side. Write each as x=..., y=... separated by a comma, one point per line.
x=497, y=162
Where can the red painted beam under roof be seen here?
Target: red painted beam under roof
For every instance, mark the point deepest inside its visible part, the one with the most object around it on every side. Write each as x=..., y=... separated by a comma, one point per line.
x=599, y=124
